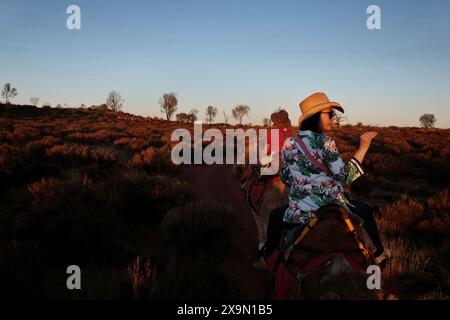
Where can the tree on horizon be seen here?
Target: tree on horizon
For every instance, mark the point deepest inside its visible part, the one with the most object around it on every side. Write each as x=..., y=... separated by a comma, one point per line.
x=267, y=122
x=225, y=117
x=34, y=101
x=211, y=113
x=114, y=101
x=239, y=112
x=192, y=115
x=9, y=92
x=168, y=103
x=427, y=120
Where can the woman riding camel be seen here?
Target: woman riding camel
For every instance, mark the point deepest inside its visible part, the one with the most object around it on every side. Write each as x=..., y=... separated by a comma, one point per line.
x=283, y=129
x=316, y=173
x=275, y=192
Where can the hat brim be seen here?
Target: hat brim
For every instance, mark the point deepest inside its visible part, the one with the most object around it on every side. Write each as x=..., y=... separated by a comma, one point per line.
x=319, y=108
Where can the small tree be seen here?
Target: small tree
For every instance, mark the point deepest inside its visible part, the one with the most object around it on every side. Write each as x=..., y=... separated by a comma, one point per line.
x=427, y=120
x=267, y=122
x=114, y=101
x=168, y=104
x=239, y=112
x=211, y=113
x=9, y=92
x=34, y=101
x=225, y=117
x=339, y=119
x=182, y=117
x=192, y=116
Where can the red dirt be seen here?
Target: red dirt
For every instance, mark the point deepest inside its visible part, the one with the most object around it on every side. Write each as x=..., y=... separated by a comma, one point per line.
x=216, y=185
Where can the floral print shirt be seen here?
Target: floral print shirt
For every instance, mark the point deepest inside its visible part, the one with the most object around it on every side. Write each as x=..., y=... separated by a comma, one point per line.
x=312, y=188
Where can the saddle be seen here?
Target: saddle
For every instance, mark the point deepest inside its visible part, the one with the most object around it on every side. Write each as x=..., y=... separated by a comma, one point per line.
x=308, y=249
x=253, y=184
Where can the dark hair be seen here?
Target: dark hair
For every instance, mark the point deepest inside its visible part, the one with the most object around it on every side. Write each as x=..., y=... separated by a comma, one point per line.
x=312, y=123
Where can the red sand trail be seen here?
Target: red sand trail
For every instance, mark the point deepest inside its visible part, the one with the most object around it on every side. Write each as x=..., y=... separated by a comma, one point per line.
x=215, y=185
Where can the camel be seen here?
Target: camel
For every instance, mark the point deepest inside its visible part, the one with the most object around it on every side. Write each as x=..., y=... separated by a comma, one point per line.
x=274, y=194
x=329, y=262
x=327, y=259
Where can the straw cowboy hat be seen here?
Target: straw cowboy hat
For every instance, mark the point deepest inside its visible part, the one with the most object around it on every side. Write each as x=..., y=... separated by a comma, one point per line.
x=316, y=102
x=280, y=119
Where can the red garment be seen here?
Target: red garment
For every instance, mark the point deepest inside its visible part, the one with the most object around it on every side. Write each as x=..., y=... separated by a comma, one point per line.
x=284, y=133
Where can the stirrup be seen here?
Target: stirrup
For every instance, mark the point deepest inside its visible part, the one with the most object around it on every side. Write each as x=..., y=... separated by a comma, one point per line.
x=261, y=245
x=262, y=250
x=383, y=258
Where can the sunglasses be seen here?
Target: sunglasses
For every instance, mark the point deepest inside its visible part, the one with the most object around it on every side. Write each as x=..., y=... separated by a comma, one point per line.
x=331, y=114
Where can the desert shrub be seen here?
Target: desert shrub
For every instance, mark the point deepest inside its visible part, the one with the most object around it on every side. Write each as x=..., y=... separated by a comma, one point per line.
x=65, y=220
x=156, y=143
x=346, y=142
x=141, y=273
x=154, y=160
x=21, y=269
x=135, y=144
x=437, y=172
x=408, y=266
x=401, y=216
x=76, y=154
x=439, y=266
x=436, y=221
x=420, y=191
x=195, y=230
x=101, y=135
x=421, y=272
x=419, y=282
x=8, y=156
x=100, y=281
x=37, y=147
x=141, y=197
x=408, y=216
x=407, y=258
x=22, y=134
x=143, y=158
x=201, y=277
x=388, y=165
x=13, y=168
x=398, y=146
x=18, y=166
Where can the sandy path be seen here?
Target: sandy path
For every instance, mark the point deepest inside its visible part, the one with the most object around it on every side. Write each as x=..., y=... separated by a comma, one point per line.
x=215, y=185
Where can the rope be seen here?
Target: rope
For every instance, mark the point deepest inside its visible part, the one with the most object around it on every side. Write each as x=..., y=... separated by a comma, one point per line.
x=300, y=276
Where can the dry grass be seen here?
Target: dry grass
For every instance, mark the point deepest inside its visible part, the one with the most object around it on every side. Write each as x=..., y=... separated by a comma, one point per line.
x=139, y=273
x=71, y=178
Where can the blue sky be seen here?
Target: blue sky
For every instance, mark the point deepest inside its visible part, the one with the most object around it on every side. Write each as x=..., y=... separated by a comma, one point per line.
x=265, y=54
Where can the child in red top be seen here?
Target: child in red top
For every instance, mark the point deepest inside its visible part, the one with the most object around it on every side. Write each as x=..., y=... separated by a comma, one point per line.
x=282, y=124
